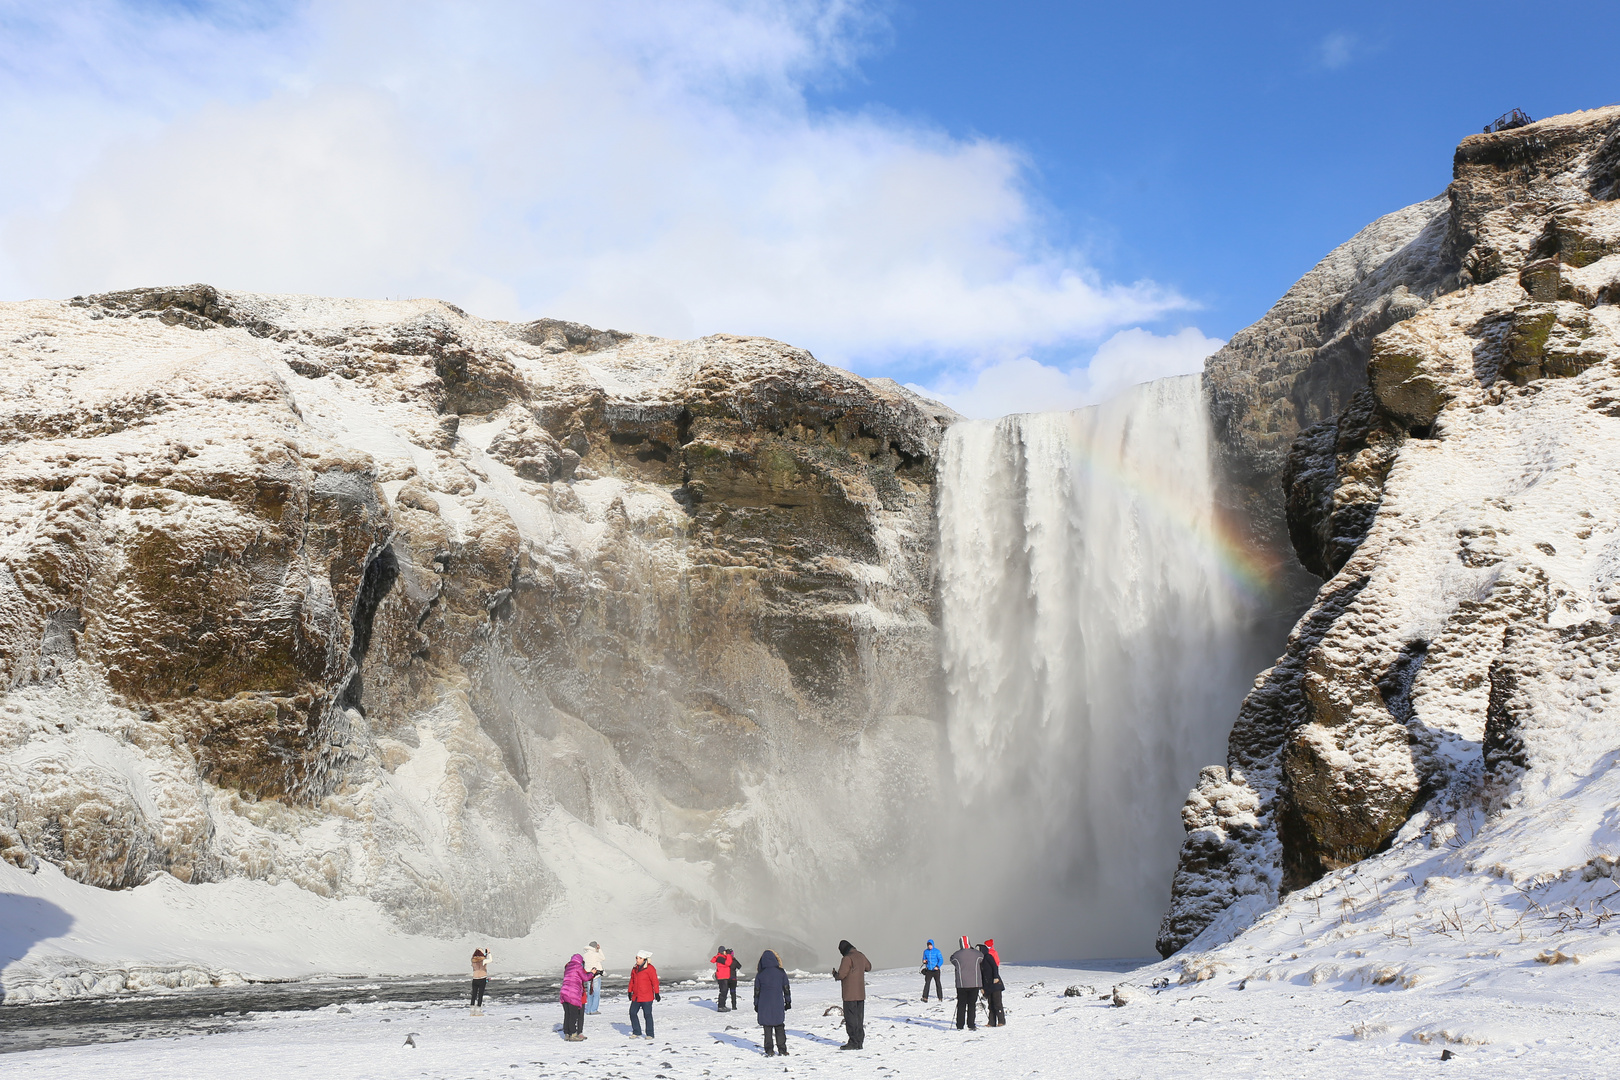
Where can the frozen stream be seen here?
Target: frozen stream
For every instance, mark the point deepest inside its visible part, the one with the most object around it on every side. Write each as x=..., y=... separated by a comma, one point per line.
x=81, y=1021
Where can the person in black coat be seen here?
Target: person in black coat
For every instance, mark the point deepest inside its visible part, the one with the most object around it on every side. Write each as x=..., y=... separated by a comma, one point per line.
x=990, y=972
x=773, y=996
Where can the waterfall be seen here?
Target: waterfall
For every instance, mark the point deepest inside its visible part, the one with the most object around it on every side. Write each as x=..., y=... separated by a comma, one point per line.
x=1095, y=652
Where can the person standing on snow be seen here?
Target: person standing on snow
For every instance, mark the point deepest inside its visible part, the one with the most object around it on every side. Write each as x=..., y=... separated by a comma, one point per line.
x=725, y=974
x=968, y=963
x=480, y=966
x=852, y=973
x=772, y=998
x=594, y=967
x=990, y=970
x=573, y=999
x=933, y=960
x=643, y=992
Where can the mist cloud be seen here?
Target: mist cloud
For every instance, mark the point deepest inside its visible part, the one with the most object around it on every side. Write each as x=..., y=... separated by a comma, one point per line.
x=1025, y=385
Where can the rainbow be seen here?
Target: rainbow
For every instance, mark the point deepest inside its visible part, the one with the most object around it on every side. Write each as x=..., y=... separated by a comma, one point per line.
x=1252, y=573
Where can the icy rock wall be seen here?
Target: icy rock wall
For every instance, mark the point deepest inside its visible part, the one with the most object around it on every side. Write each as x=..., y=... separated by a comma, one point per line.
x=1095, y=622
x=492, y=624
x=1459, y=509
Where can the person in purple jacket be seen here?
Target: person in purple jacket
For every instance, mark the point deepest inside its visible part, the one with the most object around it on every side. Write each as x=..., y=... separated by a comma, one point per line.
x=573, y=999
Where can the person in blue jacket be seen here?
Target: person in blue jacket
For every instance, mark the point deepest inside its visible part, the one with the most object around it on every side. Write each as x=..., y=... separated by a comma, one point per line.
x=772, y=998
x=933, y=960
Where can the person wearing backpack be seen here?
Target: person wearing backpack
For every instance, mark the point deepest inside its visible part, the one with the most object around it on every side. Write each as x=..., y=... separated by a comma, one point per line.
x=643, y=992
x=773, y=996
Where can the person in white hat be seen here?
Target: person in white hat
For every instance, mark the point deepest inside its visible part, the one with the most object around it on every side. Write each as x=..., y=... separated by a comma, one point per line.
x=643, y=992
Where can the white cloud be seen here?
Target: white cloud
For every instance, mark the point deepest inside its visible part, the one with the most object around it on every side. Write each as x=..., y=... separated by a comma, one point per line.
x=644, y=165
x=1025, y=385
x=1136, y=356
x=1337, y=50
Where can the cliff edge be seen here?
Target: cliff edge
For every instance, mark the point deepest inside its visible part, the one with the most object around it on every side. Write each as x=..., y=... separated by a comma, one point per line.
x=1457, y=498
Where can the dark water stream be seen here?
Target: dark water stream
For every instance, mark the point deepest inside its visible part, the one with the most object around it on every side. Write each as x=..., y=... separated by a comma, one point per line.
x=77, y=1022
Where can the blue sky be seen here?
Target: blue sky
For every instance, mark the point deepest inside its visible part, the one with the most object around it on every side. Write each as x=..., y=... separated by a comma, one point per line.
x=1014, y=205
x=1224, y=148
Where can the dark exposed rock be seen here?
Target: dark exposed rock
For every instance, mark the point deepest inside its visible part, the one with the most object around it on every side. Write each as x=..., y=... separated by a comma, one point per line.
x=1334, y=482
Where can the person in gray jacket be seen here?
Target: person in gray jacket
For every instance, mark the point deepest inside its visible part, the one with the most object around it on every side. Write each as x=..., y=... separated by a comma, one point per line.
x=967, y=961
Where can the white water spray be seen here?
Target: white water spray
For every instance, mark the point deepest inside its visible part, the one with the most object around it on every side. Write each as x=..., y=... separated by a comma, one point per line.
x=1095, y=653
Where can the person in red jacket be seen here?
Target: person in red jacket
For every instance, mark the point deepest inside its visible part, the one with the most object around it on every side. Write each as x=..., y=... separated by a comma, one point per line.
x=725, y=973
x=643, y=992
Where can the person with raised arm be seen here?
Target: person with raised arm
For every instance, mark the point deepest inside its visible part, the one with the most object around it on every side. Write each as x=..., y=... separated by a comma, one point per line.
x=480, y=979
x=725, y=974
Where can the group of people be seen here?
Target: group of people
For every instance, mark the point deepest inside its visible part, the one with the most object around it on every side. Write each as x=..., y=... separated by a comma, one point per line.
x=725, y=974
x=773, y=994
x=581, y=991
x=977, y=969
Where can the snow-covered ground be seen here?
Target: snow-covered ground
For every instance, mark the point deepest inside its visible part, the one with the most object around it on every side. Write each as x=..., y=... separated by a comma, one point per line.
x=1497, y=1019
x=60, y=939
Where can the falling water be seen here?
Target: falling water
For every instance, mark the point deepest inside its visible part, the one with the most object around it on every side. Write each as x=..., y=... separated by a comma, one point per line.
x=1095, y=650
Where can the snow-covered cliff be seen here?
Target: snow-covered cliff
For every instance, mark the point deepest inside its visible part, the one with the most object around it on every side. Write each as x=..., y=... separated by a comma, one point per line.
x=1448, y=687
x=491, y=626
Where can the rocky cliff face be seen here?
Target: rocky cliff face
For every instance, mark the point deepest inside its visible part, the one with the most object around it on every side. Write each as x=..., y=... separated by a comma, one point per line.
x=1302, y=365
x=1456, y=496
x=470, y=618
